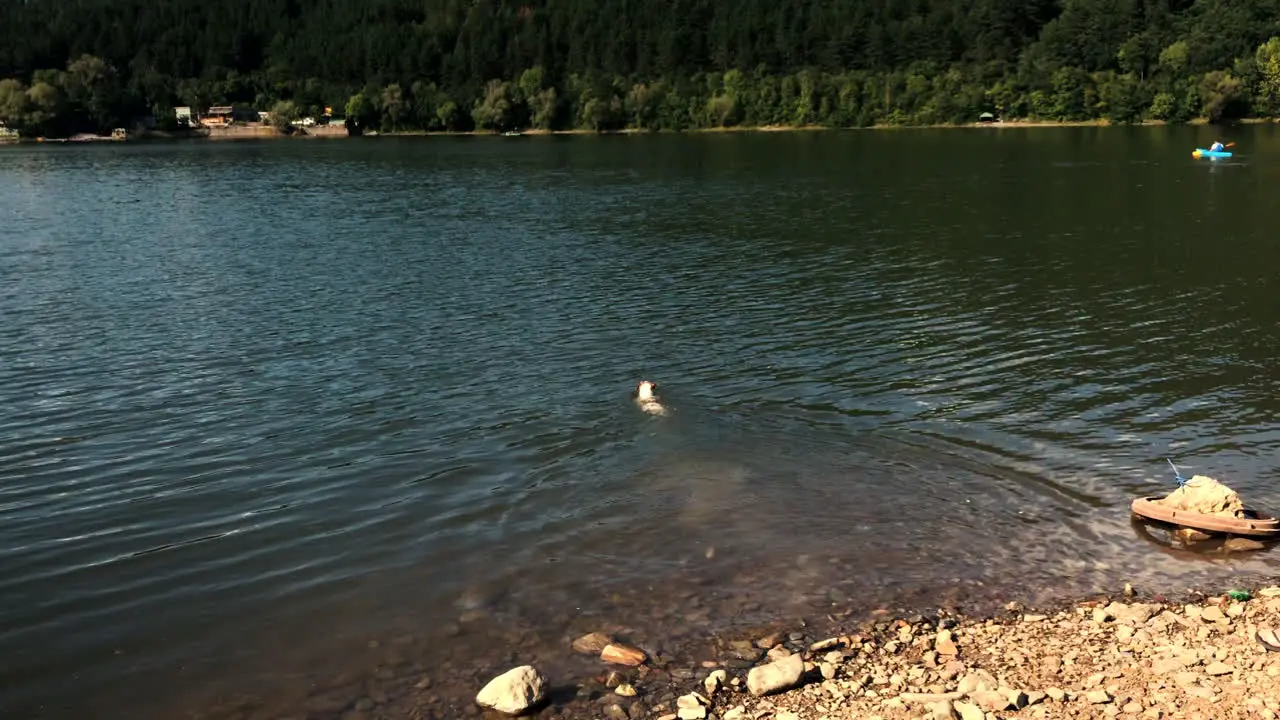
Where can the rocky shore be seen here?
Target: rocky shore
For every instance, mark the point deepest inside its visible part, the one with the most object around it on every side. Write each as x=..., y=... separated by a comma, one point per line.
x=1127, y=657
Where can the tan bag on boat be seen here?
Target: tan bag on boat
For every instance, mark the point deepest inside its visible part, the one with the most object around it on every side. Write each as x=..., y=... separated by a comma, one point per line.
x=1203, y=494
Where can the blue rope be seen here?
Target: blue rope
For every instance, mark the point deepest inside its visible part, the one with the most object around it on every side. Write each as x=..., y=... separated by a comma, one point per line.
x=1176, y=475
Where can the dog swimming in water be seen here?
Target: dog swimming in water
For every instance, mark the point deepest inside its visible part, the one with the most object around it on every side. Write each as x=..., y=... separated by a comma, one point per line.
x=647, y=398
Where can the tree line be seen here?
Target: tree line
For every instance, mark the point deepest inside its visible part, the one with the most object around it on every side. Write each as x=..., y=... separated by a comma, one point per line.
x=91, y=65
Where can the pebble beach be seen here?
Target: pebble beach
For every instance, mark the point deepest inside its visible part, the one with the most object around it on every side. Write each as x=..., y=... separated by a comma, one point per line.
x=1128, y=656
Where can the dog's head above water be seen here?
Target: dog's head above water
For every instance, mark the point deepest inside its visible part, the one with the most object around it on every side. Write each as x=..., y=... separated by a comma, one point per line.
x=646, y=390
x=646, y=396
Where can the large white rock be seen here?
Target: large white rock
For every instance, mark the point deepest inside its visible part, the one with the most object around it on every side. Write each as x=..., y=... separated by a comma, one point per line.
x=514, y=691
x=969, y=711
x=778, y=675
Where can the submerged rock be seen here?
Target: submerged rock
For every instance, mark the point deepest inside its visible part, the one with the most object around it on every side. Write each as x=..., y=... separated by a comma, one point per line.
x=768, y=641
x=591, y=643
x=745, y=650
x=1239, y=544
x=1191, y=535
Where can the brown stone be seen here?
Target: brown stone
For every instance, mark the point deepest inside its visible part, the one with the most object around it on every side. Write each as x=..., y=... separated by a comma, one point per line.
x=945, y=644
x=1186, y=534
x=623, y=655
x=769, y=640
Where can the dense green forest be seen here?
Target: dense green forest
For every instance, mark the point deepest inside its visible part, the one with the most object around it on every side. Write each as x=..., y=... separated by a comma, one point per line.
x=72, y=65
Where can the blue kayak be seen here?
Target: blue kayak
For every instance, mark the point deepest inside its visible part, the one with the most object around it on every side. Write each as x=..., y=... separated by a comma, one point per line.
x=1201, y=152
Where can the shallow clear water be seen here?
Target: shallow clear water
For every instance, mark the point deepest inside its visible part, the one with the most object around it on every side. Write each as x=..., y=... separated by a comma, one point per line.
x=265, y=403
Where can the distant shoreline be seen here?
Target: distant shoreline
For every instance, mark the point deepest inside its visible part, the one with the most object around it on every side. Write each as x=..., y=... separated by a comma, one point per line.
x=267, y=133
x=998, y=125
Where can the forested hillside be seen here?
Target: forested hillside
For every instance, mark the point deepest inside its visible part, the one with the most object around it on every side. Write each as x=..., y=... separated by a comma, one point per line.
x=656, y=64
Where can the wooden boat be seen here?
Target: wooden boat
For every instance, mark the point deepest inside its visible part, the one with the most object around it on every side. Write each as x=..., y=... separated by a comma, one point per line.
x=1254, y=524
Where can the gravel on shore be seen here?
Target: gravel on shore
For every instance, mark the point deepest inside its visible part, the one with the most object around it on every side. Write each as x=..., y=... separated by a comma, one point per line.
x=1103, y=658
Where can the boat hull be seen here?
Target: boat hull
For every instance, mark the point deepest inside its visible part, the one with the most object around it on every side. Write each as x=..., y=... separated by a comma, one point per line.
x=1258, y=525
x=1201, y=152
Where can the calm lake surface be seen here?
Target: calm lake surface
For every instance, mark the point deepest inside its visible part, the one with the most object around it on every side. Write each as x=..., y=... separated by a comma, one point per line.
x=282, y=420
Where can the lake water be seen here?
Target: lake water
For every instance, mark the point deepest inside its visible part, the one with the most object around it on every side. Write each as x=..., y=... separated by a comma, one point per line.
x=286, y=425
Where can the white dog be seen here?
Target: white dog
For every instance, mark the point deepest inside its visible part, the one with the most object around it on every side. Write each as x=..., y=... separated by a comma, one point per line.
x=647, y=398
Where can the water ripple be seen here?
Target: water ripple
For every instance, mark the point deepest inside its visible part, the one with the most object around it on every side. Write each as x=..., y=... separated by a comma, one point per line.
x=240, y=381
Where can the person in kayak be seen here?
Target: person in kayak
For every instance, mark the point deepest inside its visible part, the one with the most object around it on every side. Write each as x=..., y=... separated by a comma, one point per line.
x=1216, y=146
